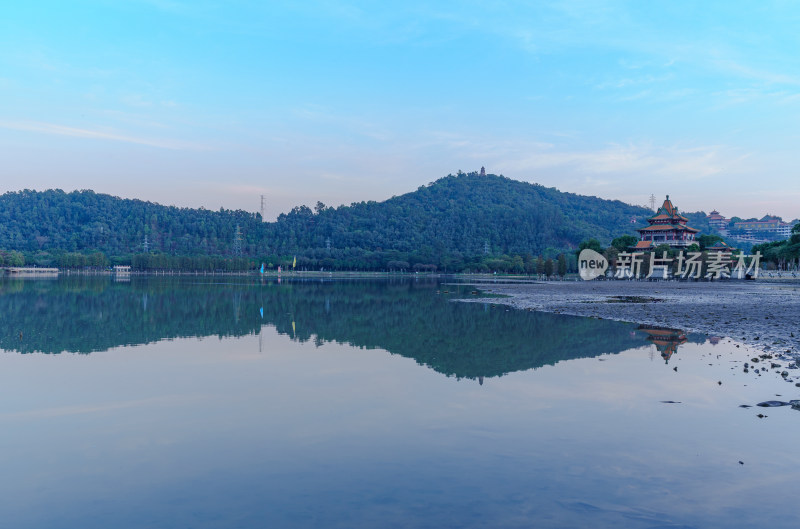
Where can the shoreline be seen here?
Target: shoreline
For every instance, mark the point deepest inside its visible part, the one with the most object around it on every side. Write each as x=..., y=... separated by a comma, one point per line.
x=763, y=314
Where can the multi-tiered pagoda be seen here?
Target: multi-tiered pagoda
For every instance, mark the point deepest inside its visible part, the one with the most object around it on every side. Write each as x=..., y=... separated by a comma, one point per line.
x=667, y=226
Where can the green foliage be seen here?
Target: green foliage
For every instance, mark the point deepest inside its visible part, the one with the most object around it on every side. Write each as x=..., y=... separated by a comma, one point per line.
x=12, y=258
x=624, y=242
x=707, y=241
x=562, y=265
x=699, y=221
x=661, y=248
x=549, y=267
x=540, y=265
x=444, y=225
x=783, y=254
x=84, y=222
x=591, y=244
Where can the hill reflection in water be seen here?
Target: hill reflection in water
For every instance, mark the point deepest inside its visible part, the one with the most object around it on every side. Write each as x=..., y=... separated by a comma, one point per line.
x=415, y=319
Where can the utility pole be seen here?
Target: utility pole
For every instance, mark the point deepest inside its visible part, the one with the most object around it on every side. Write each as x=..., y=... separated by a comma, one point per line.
x=263, y=207
x=237, y=242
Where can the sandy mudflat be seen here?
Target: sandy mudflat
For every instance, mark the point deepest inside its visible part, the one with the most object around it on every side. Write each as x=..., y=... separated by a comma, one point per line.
x=763, y=313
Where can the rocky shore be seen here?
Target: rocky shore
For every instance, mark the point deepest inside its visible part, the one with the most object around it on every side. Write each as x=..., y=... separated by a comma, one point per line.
x=764, y=314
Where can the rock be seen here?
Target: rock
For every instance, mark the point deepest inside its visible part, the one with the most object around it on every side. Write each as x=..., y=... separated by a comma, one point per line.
x=772, y=404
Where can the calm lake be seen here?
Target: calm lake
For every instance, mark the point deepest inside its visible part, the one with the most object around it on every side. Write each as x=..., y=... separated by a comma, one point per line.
x=232, y=402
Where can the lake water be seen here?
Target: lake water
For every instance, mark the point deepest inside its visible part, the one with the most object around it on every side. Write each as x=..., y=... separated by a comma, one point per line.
x=233, y=402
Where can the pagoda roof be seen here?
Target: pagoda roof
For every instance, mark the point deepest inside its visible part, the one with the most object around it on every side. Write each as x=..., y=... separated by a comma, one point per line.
x=667, y=211
x=720, y=246
x=643, y=244
x=668, y=227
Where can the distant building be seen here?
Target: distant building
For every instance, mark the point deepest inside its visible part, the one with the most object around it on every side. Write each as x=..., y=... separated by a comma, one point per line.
x=770, y=226
x=483, y=171
x=667, y=226
x=717, y=221
x=721, y=247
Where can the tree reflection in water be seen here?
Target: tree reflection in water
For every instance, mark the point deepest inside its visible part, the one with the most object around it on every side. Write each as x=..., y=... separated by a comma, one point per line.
x=412, y=318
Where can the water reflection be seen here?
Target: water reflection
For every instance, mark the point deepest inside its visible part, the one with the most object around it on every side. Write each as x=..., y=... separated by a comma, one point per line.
x=414, y=319
x=312, y=433
x=665, y=339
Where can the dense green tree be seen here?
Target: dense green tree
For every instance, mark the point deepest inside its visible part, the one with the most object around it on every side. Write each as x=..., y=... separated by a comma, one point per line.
x=549, y=267
x=591, y=244
x=540, y=265
x=624, y=242
x=707, y=241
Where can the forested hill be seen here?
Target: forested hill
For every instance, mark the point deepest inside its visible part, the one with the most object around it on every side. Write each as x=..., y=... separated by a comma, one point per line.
x=88, y=221
x=463, y=213
x=456, y=219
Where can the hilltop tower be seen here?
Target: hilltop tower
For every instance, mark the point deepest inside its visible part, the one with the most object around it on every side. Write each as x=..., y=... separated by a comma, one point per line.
x=483, y=171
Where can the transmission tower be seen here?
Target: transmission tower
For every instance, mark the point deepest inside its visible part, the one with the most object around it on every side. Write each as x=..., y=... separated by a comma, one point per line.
x=486, y=247
x=146, y=245
x=653, y=202
x=328, y=244
x=263, y=207
x=237, y=242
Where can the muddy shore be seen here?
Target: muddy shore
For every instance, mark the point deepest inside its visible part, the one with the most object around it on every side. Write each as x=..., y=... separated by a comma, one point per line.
x=764, y=314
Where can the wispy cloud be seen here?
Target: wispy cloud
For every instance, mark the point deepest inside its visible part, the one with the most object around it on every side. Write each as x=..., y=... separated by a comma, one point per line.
x=349, y=123
x=635, y=81
x=609, y=162
x=62, y=130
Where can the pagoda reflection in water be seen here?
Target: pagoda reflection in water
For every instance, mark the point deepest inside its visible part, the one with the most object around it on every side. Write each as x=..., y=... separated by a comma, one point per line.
x=665, y=339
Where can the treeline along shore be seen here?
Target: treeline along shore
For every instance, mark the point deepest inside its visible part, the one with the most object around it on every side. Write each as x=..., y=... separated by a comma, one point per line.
x=467, y=222
x=460, y=223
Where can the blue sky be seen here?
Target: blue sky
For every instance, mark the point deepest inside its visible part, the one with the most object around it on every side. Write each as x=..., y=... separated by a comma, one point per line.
x=207, y=103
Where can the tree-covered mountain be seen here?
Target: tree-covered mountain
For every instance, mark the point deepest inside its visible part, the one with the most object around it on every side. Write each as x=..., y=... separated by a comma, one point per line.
x=83, y=221
x=457, y=222
x=461, y=214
